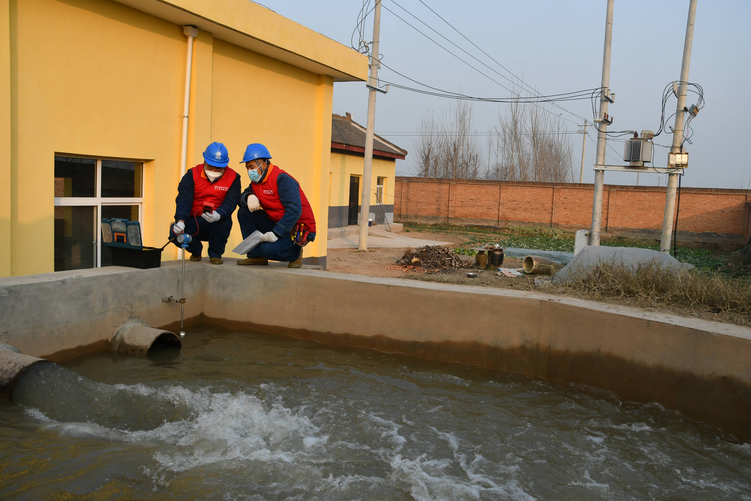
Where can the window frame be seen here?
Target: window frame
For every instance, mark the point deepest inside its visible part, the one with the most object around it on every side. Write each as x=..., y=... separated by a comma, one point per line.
x=98, y=201
x=380, y=189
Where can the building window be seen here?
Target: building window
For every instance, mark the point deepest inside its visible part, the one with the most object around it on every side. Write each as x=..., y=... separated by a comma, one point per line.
x=86, y=191
x=380, y=190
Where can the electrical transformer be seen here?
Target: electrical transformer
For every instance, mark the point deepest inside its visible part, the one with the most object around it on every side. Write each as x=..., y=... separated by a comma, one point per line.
x=637, y=152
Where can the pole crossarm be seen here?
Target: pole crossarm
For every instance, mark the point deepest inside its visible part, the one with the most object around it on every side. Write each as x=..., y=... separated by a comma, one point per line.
x=639, y=170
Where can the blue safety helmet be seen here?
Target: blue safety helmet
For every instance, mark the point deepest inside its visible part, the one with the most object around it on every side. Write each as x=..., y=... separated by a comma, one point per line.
x=216, y=155
x=255, y=150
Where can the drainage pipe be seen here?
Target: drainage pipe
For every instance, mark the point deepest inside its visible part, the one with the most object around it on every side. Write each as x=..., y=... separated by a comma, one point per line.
x=12, y=364
x=537, y=264
x=134, y=337
x=191, y=32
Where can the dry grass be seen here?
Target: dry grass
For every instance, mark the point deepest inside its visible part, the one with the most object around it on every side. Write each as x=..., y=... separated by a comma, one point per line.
x=651, y=286
x=692, y=293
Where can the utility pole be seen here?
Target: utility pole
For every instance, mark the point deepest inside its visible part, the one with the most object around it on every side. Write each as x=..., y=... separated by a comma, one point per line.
x=667, y=222
x=584, y=148
x=368, y=164
x=601, y=125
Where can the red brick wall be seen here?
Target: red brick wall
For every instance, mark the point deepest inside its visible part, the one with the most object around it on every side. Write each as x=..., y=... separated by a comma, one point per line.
x=711, y=215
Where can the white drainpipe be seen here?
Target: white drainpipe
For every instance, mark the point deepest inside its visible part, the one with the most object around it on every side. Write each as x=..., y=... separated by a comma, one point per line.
x=190, y=32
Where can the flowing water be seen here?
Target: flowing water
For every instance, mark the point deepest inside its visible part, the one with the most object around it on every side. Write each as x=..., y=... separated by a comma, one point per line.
x=240, y=415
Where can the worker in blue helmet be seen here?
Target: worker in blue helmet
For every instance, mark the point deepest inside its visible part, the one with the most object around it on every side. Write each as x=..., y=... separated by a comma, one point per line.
x=206, y=198
x=275, y=205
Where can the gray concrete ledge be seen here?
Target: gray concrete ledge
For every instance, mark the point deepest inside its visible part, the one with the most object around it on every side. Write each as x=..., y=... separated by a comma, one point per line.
x=698, y=367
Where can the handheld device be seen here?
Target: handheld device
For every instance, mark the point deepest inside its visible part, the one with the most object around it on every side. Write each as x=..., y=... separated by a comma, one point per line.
x=207, y=207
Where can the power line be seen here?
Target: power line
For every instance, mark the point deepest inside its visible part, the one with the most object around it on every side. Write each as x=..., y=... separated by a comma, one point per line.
x=362, y=45
x=459, y=58
x=570, y=96
x=492, y=59
x=428, y=134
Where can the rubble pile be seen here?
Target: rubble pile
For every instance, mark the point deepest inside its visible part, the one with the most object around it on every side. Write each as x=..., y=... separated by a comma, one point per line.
x=431, y=259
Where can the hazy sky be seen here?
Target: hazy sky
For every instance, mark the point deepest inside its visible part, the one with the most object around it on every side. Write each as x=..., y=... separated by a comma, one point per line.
x=555, y=47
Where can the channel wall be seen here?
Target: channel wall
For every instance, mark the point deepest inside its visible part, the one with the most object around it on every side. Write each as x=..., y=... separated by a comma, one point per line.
x=698, y=367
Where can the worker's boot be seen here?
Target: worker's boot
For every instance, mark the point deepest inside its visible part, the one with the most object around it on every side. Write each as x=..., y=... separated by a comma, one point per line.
x=297, y=263
x=195, y=257
x=257, y=261
x=216, y=260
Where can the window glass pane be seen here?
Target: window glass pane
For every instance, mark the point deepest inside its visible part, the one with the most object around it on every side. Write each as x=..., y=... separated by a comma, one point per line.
x=121, y=179
x=75, y=245
x=75, y=177
x=129, y=212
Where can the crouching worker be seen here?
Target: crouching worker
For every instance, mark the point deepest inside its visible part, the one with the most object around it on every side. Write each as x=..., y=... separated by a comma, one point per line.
x=275, y=205
x=206, y=198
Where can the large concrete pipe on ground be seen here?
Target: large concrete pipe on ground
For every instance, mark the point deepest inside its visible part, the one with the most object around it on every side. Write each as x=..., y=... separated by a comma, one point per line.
x=136, y=338
x=537, y=264
x=12, y=364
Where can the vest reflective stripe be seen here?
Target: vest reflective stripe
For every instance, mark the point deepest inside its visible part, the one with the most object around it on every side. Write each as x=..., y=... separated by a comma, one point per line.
x=268, y=194
x=206, y=192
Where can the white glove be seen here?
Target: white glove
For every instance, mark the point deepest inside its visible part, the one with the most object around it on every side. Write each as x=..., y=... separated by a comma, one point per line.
x=178, y=228
x=253, y=203
x=211, y=217
x=269, y=237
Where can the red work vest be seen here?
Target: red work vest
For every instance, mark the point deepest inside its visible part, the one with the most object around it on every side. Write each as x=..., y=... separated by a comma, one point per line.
x=205, y=192
x=268, y=194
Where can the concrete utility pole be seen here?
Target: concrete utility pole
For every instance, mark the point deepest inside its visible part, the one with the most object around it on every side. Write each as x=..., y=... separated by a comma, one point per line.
x=368, y=164
x=601, y=125
x=584, y=148
x=667, y=222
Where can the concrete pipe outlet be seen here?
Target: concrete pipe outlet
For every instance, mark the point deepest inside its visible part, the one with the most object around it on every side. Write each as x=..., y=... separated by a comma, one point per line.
x=136, y=338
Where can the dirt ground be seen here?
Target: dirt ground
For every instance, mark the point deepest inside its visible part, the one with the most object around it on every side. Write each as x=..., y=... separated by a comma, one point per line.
x=382, y=262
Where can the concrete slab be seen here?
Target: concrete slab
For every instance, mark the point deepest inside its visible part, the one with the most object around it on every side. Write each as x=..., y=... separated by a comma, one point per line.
x=380, y=237
x=347, y=231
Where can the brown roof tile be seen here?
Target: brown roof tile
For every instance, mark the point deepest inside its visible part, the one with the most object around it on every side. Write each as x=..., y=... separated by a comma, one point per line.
x=346, y=131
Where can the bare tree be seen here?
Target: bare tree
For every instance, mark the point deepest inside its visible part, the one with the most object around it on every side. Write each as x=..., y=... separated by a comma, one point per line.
x=448, y=148
x=530, y=144
x=427, y=148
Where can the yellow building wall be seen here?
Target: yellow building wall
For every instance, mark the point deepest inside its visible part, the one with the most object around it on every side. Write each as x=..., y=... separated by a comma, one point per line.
x=93, y=78
x=97, y=78
x=343, y=166
x=6, y=207
x=256, y=99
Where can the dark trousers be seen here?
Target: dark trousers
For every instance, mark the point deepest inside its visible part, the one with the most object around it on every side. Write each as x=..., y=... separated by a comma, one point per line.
x=216, y=234
x=283, y=249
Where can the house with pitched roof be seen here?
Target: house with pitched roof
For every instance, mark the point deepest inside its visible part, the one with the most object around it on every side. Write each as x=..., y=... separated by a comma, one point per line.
x=346, y=169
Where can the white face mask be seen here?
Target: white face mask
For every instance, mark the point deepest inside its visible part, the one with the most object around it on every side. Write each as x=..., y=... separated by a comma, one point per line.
x=213, y=176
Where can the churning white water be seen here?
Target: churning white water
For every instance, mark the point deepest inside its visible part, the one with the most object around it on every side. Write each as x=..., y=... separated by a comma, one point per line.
x=239, y=415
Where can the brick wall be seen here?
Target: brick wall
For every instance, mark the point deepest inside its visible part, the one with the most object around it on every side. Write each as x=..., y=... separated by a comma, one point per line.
x=706, y=214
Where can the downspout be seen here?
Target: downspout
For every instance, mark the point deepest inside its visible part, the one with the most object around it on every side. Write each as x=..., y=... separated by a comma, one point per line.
x=191, y=32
